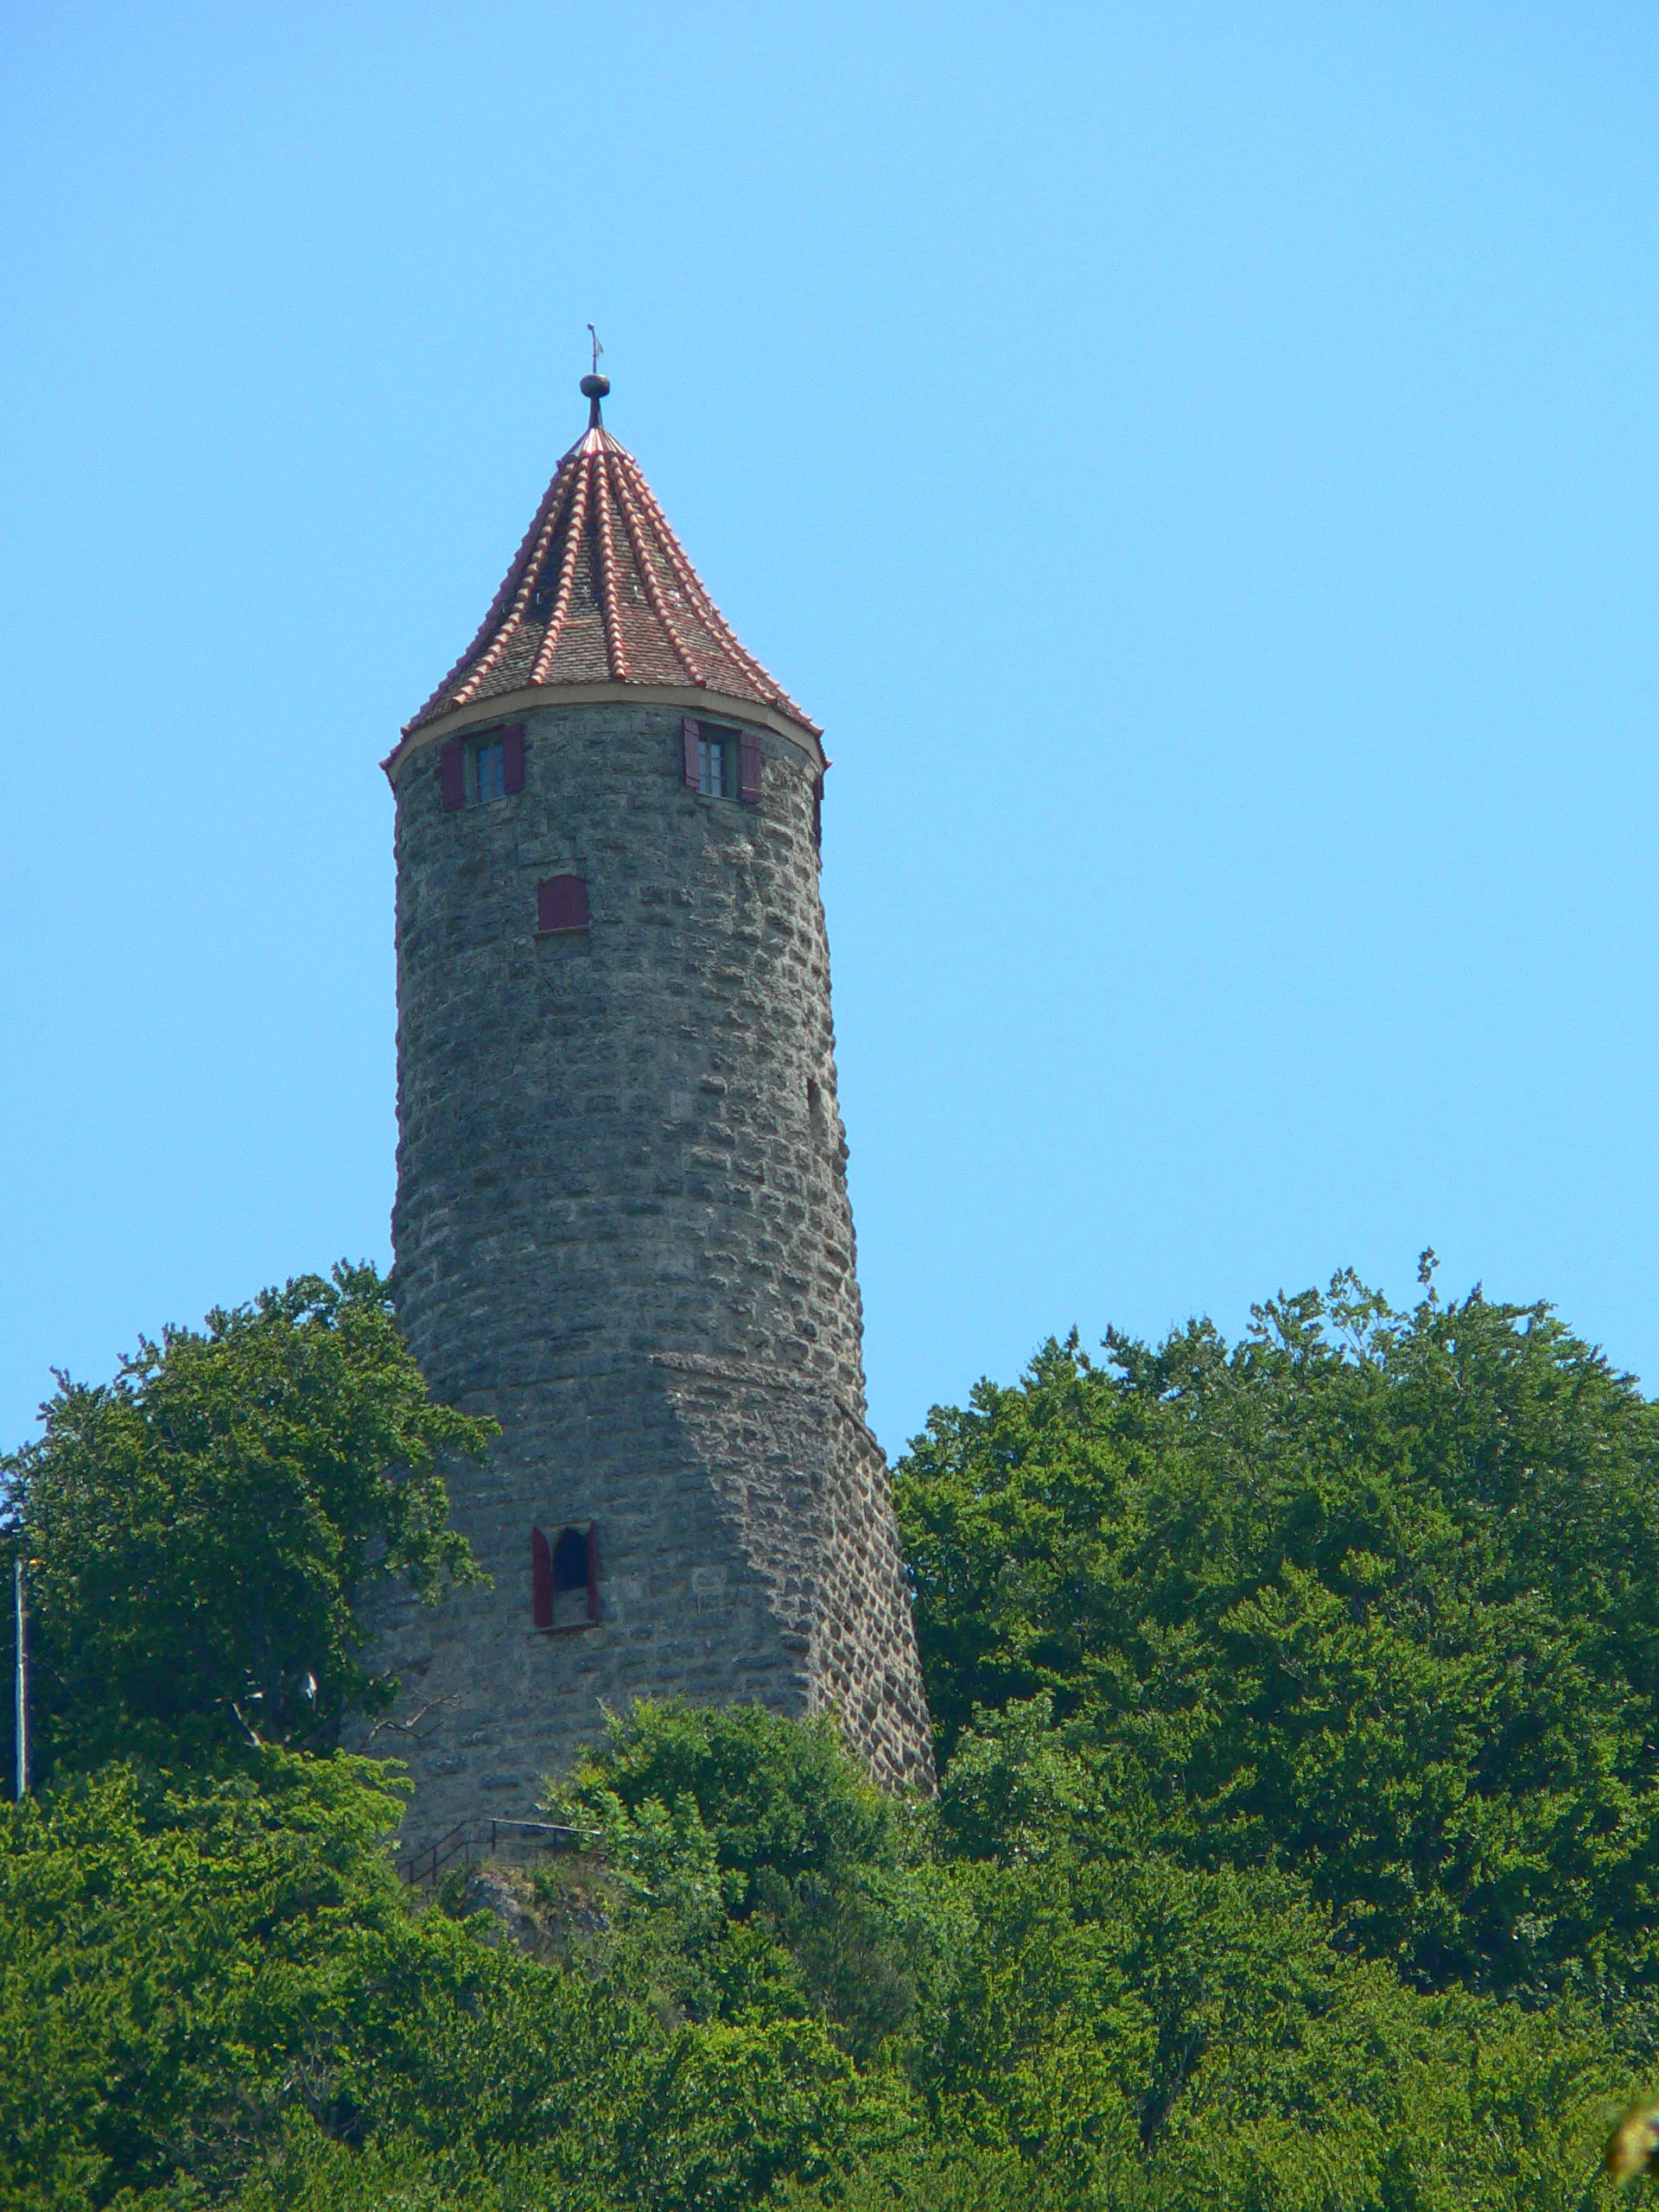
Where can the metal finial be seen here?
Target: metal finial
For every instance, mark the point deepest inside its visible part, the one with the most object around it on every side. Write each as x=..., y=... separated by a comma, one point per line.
x=594, y=386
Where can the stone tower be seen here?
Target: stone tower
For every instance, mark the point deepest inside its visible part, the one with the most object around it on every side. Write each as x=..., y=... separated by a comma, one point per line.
x=622, y=1225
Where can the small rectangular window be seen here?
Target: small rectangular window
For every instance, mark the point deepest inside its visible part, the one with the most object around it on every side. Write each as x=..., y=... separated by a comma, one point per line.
x=490, y=768
x=716, y=759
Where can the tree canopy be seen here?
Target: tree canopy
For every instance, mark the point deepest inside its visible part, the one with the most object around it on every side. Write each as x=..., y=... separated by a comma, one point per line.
x=1369, y=1595
x=199, y=1531
x=1291, y=1854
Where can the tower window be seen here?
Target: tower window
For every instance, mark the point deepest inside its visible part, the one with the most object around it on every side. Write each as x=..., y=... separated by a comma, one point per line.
x=489, y=771
x=720, y=763
x=713, y=766
x=473, y=772
x=564, y=1578
x=571, y=1561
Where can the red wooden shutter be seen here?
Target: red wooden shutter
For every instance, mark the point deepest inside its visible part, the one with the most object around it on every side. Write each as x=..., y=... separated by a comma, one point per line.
x=512, y=758
x=452, y=774
x=592, y=1570
x=541, y=1580
x=561, y=904
x=748, y=771
x=691, y=754
x=817, y=813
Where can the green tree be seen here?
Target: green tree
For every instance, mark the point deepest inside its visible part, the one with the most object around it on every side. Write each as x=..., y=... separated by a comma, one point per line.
x=223, y=1983
x=200, y=1530
x=216, y=1990
x=1136, y=2028
x=761, y=1874
x=1372, y=1595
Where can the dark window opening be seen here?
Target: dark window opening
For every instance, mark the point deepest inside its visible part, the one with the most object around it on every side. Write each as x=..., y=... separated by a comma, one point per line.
x=570, y=1561
x=564, y=1578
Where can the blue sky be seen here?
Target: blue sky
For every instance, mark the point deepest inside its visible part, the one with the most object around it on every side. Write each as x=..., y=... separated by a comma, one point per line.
x=1198, y=462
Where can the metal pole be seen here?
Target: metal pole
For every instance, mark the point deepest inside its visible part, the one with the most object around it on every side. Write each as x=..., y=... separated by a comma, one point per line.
x=20, y=1685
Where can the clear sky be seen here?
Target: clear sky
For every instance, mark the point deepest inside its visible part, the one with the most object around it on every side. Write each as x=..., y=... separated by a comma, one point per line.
x=1199, y=463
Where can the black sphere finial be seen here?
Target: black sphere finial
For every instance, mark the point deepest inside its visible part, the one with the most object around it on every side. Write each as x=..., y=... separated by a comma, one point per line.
x=594, y=387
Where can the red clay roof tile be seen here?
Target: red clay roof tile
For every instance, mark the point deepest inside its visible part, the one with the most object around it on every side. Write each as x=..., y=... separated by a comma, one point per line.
x=600, y=591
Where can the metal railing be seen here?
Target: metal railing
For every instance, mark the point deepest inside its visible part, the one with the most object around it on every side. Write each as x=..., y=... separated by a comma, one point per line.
x=482, y=1837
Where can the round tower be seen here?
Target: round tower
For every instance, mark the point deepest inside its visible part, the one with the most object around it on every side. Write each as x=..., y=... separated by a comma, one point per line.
x=622, y=1225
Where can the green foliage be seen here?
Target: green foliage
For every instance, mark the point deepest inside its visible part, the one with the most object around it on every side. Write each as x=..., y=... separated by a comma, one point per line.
x=1292, y=1851
x=199, y=1529
x=1080, y=2027
x=226, y=1983
x=220, y=1992
x=762, y=1873
x=1370, y=1595
x=162, y=1956
x=1195, y=2036
x=934, y=2178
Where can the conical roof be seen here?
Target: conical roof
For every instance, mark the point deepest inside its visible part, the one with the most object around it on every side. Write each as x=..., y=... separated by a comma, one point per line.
x=600, y=591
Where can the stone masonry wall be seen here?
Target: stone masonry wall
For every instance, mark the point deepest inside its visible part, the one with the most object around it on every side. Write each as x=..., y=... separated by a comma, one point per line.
x=622, y=1228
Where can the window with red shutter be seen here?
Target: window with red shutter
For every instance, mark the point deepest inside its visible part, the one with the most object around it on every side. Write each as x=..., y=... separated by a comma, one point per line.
x=512, y=758
x=561, y=904
x=452, y=775
x=564, y=1578
x=817, y=814
x=711, y=763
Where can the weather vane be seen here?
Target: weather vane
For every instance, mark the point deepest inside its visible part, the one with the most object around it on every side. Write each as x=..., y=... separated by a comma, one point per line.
x=595, y=384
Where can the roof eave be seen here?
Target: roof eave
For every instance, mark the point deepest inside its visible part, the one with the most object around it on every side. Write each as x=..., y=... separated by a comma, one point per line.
x=695, y=698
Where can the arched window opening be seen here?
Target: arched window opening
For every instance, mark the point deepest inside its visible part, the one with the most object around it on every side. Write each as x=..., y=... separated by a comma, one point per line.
x=570, y=1561
x=564, y=1578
